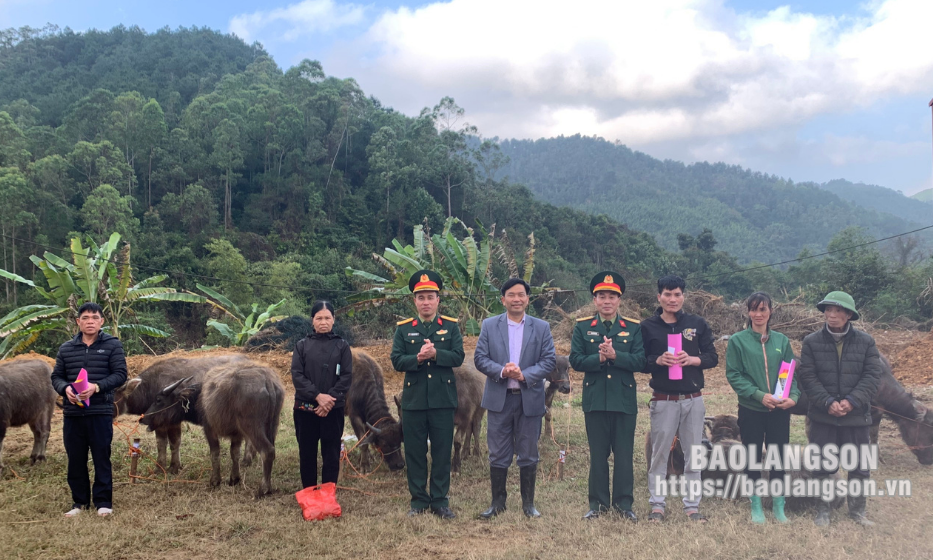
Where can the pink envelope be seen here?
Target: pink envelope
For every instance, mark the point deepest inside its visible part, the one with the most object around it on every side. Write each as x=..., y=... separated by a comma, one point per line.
x=785, y=380
x=675, y=346
x=80, y=385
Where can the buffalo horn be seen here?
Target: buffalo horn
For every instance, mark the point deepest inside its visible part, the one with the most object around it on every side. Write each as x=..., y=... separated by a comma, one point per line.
x=169, y=389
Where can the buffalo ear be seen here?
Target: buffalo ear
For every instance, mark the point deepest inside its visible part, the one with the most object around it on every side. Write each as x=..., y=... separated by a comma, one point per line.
x=920, y=410
x=190, y=391
x=368, y=439
x=131, y=385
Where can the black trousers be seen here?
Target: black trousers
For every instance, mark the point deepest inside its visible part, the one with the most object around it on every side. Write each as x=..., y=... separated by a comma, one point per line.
x=770, y=428
x=824, y=434
x=311, y=429
x=94, y=432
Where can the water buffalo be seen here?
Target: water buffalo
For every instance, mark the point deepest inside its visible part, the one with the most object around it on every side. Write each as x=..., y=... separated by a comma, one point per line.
x=27, y=397
x=238, y=400
x=717, y=430
x=468, y=417
x=913, y=418
x=138, y=394
x=368, y=412
x=558, y=380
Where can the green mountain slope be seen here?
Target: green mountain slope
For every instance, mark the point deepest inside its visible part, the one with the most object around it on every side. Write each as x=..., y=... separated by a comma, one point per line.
x=882, y=199
x=754, y=216
x=52, y=70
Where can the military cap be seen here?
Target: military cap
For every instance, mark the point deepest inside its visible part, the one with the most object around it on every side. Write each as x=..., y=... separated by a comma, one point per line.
x=841, y=299
x=607, y=281
x=425, y=280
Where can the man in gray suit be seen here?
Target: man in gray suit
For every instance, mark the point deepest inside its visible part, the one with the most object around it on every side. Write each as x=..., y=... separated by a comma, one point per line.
x=515, y=352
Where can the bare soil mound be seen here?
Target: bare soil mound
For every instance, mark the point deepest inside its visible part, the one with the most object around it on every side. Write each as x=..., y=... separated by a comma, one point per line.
x=913, y=364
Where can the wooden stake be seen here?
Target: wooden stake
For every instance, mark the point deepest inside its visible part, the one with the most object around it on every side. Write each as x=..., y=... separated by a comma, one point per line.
x=134, y=459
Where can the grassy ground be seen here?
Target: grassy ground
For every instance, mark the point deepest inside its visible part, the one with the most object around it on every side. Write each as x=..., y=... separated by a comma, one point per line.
x=191, y=521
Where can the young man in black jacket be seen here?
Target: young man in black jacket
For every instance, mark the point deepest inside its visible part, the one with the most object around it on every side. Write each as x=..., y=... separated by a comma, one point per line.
x=677, y=408
x=89, y=425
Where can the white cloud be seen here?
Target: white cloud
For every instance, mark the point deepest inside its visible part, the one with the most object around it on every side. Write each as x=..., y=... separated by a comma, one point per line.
x=641, y=72
x=302, y=18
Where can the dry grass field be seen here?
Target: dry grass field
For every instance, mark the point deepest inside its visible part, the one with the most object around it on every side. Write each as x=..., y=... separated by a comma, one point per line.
x=189, y=520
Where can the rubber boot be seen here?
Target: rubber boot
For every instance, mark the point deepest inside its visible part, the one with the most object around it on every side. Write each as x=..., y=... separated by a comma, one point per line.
x=857, y=511
x=527, y=477
x=822, y=513
x=497, y=479
x=758, y=516
x=777, y=508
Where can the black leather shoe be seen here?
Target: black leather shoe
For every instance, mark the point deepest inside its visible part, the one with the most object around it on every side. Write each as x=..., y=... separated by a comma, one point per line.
x=416, y=511
x=444, y=513
x=591, y=515
x=491, y=512
x=628, y=515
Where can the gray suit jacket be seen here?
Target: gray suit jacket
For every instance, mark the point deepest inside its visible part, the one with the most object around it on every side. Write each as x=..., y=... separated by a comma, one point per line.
x=537, y=360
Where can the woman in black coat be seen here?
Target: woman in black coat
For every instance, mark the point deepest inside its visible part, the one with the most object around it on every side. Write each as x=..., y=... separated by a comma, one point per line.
x=321, y=372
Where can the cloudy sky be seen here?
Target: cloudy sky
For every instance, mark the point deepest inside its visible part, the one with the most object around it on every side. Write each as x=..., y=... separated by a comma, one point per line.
x=810, y=90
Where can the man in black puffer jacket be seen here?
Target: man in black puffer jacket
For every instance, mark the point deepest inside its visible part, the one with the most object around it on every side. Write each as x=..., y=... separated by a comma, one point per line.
x=840, y=369
x=89, y=426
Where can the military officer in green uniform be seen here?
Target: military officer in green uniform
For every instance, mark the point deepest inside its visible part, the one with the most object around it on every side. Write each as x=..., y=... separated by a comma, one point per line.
x=608, y=349
x=427, y=348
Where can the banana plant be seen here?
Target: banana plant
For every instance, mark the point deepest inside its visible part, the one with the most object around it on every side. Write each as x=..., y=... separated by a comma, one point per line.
x=93, y=275
x=464, y=264
x=249, y=324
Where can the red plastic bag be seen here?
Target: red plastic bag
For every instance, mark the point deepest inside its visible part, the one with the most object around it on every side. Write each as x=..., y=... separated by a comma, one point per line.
x=319, y=502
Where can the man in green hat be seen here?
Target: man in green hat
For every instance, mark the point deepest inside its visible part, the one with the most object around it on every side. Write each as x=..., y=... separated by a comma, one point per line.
x=427, y=347
x=840, y=369
x=608, y=349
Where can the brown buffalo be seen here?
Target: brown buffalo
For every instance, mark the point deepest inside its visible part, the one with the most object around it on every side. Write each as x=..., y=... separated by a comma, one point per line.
x=138, y=394
x=27, y=397
x=239, y=400
x=913, y=418
x=468, y=417
x=369, y=413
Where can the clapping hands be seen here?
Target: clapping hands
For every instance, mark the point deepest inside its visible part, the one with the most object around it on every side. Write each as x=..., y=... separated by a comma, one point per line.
x=427, y=352
x=606, y=351
x=512, y=371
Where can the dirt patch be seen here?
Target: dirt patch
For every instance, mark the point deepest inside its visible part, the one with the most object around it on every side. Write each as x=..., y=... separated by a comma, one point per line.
x=33, y=356
x=912, y=364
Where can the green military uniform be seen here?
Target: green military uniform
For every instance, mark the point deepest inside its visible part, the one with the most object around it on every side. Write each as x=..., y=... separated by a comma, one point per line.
x=429, y=398
x=609, y=403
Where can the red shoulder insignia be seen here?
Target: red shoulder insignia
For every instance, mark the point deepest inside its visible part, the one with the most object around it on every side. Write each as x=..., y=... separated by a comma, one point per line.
x=593, y=324
x=414, y=323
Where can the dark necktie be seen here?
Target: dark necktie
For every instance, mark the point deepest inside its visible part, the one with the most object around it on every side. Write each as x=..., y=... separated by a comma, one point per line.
x=608, y=325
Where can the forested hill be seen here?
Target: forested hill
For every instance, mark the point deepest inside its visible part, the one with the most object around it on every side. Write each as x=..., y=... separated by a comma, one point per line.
x=882, y=199
x=220, y=168
x=53, y=69
x=754, y=216
x=213, y=161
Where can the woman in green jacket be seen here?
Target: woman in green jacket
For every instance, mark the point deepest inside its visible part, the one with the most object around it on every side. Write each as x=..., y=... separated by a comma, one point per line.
x=753, y=363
